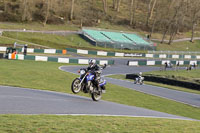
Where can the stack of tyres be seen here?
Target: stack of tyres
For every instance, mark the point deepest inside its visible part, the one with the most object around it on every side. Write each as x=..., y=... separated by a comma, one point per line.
x=1, y=55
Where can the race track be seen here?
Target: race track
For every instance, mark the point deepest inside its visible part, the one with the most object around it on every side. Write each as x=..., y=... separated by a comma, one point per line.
x=15, y=100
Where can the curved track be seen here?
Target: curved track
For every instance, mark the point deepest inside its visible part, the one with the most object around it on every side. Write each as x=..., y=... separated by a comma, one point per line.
x=15, y=100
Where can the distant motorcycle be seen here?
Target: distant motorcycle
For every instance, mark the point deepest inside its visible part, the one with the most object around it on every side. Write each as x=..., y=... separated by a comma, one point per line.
x=86, y=84
x=139, y=80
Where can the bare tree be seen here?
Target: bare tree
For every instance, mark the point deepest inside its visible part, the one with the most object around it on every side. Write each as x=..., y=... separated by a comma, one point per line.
x=181, y=11
x=114, y=4
x=152, y=9
x=169, y=22
x=24, y=8
x=132, y=12
x=194, y=15
x=105, y=6
x=5, y=5
x=118, y=5
x=156, y=18
x=72, y=10
x=151, y=6
x=149, y=10
x=47, y=3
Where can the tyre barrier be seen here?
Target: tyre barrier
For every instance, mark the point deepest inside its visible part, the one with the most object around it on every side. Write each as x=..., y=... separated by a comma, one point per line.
x=56, y=59
x=190, y=85
x=1, y=55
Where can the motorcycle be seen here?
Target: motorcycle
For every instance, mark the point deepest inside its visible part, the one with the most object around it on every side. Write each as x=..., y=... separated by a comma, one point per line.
x=86, y=84
x=139, y=80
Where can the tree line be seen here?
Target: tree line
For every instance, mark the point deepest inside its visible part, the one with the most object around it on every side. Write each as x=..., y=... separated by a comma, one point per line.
x=168, y=17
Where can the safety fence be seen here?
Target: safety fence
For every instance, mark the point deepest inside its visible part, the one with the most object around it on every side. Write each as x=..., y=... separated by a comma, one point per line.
x=163, y=62
x=104, y=53
x=56, y=59
x=117, y=54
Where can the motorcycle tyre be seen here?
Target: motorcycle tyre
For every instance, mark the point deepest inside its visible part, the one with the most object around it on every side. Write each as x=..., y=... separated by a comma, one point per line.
x=96, y=96
x=72, y=86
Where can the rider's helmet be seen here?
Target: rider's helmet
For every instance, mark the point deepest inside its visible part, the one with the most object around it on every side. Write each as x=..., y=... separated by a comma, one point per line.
x=92, y=63
x=140, y=73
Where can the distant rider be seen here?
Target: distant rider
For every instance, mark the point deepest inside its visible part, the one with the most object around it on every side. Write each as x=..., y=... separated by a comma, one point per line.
x=139, y=79
x=140, y=75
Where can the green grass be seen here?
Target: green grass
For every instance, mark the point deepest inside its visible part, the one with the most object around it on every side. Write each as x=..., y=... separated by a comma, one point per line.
x=9, y=42
x=92, y=124
x=41, y=75
x=75, y=41
x=53, y=41
x=180, y=46
x=57, y=41
x=38, y=26
x=78, y=42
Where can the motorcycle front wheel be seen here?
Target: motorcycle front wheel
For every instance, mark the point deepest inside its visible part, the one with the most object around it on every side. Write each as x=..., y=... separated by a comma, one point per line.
x=76, y=87
x=96, y=96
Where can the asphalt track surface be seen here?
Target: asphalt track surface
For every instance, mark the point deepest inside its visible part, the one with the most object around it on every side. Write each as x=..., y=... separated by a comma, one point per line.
x=15, y=100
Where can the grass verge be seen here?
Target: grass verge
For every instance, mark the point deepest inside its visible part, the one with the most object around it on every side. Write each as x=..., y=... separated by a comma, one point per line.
x=41, y=75
x=91, y=124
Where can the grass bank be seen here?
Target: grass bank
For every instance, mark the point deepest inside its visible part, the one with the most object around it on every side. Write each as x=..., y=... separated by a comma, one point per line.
x=47, y=76
x=91, y=124
x=56, y=41
x=38, y=26
x=180, y=46
x=75, y=41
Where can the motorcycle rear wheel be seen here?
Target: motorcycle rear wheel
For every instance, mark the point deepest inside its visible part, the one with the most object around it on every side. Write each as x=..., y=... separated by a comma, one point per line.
x=75, y=86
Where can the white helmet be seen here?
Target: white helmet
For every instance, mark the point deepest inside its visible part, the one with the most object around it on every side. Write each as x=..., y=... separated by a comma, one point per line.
x=140, y=73
x=92, y=62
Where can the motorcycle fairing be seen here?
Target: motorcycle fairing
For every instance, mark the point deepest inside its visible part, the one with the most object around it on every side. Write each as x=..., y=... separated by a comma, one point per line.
x=90, y=77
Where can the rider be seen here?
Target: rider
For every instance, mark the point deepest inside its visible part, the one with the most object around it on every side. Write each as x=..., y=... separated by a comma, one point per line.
x=95, y=69
x=140, y=75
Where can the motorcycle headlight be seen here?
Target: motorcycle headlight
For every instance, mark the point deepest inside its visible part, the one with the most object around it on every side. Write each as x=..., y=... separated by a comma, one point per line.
x=82, y=72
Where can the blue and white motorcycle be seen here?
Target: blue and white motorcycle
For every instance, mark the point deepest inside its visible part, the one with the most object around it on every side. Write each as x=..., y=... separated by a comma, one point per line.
x=86, y=84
